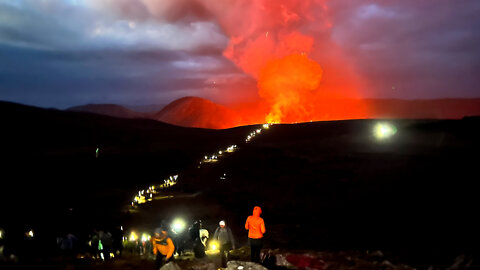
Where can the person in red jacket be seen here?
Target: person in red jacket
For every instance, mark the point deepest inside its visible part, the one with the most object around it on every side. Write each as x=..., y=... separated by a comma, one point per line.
x=256, y=228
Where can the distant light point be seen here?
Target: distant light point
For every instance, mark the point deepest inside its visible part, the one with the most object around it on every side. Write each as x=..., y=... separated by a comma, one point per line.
x=384, y=130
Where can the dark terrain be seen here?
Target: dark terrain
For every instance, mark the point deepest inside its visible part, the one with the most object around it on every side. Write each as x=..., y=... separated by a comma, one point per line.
x=323, y=186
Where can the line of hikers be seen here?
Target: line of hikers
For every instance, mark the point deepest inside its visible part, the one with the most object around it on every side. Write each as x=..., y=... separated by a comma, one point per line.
x=164, y=247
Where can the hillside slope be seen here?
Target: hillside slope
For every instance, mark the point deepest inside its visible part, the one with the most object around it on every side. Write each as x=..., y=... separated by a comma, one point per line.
x=109, y=110
x=198, y=112
x=53, y=153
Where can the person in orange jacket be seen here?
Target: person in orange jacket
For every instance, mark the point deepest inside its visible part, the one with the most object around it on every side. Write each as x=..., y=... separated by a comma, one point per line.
x=163, y=248
x=256, y=228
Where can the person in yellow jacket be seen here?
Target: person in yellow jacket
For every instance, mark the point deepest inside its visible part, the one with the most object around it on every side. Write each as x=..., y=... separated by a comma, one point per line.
x=256, y=228
x=163, y=248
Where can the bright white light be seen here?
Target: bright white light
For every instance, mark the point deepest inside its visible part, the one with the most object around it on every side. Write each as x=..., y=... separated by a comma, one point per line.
x=133, y=236
x=178, y=225
x=145, y=237
x=384, y=130
x=30, y=233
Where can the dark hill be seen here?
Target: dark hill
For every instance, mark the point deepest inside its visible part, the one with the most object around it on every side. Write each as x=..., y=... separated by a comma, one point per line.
x=110, y=110
x=198, y=112
x=322, y=185
x=334, y=186
x=49, y=162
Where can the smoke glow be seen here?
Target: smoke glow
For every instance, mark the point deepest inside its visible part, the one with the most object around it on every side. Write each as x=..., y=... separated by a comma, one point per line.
x=286, y=84
x=268, y=41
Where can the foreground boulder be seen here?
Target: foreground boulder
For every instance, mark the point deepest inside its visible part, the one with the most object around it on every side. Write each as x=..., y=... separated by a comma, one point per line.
x=241, y=265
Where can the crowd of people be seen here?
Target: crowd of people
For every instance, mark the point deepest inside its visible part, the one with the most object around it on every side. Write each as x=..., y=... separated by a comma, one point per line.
x=98, y=244
x=163, y=245
x=166, y=245
x=18, y=246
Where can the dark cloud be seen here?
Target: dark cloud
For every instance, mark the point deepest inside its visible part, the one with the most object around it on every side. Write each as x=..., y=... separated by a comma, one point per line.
x=412, y=49
x=30, y=27
x=100, y=55
x=68, y=78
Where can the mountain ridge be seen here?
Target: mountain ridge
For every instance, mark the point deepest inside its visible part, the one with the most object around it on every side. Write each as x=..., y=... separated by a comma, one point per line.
x=199, y=112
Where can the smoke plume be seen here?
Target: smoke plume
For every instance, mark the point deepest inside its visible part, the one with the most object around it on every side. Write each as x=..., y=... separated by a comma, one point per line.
x=285, y=45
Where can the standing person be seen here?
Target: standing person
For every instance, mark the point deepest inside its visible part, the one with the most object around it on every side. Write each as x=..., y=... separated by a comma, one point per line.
x=163, y=247
x=224, y=236
x=67, y=244
x=105, y=238
x=93, y=243
x=256, y=228
x=198, y=235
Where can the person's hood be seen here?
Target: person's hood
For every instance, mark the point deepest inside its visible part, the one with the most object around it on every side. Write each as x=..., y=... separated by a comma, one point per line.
x=257, y=211
x=161, y=236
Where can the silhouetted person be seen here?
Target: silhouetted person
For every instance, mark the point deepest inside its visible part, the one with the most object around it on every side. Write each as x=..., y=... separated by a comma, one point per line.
x=198, y=246
x=67, y=244
x=93, y=244
x=180, y=239
x=223, y=235
x=28, y=249
x=256, y=228
x=106, y=243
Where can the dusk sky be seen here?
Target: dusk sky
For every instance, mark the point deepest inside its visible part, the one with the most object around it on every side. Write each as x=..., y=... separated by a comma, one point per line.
x=62, y=53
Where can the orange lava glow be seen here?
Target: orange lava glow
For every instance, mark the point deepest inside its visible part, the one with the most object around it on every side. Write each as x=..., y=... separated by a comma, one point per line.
x=300, y=77
x=286, y=84
x=286, y=50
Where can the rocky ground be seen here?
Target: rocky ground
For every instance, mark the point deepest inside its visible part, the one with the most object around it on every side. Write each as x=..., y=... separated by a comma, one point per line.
x=239, y=259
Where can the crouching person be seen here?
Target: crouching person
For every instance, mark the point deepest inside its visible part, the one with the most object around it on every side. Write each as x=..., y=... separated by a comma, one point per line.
x=163, y=247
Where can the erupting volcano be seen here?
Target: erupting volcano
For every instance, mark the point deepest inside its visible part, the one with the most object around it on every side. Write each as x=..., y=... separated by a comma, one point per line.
x=285, y=64
x=270, y=41
x=286, y=83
